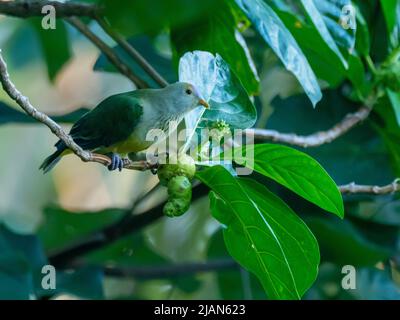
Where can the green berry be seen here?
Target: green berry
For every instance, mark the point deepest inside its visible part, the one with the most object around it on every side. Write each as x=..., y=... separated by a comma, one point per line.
x=180, y=186
x=176, y=207
x=185, y=166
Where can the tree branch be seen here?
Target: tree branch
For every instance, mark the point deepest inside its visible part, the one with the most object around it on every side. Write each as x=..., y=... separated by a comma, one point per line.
x=109, y=53
x=142, y=62
x=316, y=139
x=353, y=188
x=25, y=9
x=173, y=270
x=55, y=128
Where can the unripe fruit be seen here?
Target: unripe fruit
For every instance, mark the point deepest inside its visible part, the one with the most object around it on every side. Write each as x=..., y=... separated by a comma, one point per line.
x=185, y=166
x=176, y=207
x=179, y=186
x=179, y=196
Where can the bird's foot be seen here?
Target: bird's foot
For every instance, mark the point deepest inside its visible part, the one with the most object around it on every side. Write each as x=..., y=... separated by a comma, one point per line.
x=116, y=162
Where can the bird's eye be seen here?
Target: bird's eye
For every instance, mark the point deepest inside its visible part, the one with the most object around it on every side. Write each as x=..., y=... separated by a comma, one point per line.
x=188, y=91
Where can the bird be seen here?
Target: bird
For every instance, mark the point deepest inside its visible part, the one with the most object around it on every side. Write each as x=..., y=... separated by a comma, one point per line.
x=119, y=124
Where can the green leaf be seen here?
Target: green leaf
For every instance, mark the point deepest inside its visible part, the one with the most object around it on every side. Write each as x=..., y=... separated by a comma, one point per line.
x=216, y=34
x=394, y=98
x=55, y=46
x=320, y=57
x=218, y=85
x=263, y=234
x=234, y=284
x=320, y=25
x=361, y=150
x=9, y=114
x=362, y=35
x=295, y=170
x=333, y=14
x=274, y=32
x=229, y=101
x=391, y=11
x=146, y=48
x=357, y=76
x=385, y=122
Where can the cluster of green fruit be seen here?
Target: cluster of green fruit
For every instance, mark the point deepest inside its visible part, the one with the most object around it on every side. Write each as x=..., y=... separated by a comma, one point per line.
x=177, y=177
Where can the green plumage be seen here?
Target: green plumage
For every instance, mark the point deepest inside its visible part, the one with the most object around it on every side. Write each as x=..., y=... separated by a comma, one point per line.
x=119, y=123
x=112, y=121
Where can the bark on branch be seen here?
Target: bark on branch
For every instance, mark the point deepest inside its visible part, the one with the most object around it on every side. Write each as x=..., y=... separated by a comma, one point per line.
x=353, y=188
x=26, y=9
x=316, y=139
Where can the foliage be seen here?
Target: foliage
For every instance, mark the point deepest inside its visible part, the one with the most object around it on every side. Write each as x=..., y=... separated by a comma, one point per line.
x=275, y=223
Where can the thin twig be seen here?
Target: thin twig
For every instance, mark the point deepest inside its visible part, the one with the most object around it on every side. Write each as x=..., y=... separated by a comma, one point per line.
x=25, y=9
x=142, y=62
x=316, y=139
x=353, y=188
x=108, y=52
x=24, y=103
x=173, y=270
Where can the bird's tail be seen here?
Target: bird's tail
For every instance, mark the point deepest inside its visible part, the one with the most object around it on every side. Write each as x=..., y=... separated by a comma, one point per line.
x=53, y=159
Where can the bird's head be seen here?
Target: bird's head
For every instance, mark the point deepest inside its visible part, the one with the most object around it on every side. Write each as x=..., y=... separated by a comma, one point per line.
x=186, y=97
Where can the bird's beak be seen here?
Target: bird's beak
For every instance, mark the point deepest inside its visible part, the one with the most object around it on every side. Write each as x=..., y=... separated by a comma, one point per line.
x=204, y=103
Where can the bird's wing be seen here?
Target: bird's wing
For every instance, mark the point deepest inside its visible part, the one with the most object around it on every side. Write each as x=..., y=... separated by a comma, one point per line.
x=112, y=121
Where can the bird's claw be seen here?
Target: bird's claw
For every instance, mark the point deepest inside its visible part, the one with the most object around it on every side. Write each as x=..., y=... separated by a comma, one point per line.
x=116, y=162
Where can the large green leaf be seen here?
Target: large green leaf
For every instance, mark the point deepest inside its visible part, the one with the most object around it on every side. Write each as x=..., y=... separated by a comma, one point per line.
x=235, y=283
x=320, y=57
x=218, y=84
x=229, y=101
x=394, y=98
x=361, y=149
x=323, y=38
x=295, y=170
x=320, y=25
x=55, y=46
x=391, y=11
x=281, y=41
x=343, y=31
x=263, y=234
x=384, y=120
x=216, y=34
